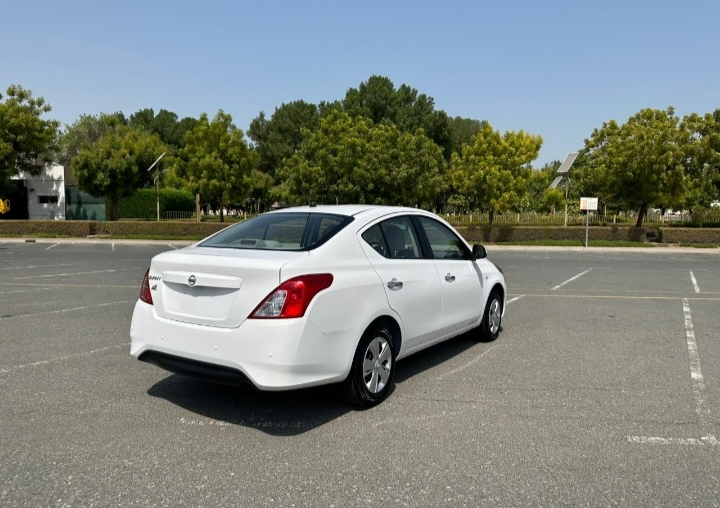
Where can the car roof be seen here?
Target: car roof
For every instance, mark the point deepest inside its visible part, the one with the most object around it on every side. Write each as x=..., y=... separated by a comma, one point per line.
x=349, y=210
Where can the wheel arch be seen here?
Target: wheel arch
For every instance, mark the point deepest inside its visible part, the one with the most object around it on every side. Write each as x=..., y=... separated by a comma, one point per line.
x=391, y=324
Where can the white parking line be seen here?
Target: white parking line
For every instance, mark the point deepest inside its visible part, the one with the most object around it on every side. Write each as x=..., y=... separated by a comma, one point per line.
x=515, y=299
x=61, y=358
x=695, y=370
x=72, y=273
x=698, y=387
x=113, y=246
x=23, y=290
x=64, y=310
x=707, y=440
x=53, y=245
x=694, y=282
x=170, y=245
x=571, y=279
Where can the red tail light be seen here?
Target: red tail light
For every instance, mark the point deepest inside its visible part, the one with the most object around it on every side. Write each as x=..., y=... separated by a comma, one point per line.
x=145, y=294
x=292, y=298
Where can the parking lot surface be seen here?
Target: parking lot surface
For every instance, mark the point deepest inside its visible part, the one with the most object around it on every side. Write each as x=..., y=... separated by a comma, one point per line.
x=603, y=389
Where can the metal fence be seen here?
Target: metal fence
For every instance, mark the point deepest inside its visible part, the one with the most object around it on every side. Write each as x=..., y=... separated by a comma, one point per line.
x=192, y=216
x=559, y=218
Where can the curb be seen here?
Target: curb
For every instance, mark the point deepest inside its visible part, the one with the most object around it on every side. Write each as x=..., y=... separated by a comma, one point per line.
x=124, y=241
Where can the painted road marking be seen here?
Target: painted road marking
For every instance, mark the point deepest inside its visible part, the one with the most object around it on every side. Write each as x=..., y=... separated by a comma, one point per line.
x=53, y=245
x=571, y=279
x=74, y=273
x=64, y=310
x=515, y=299
x=113, y=247
x=694, y=282
x=707, y=440
x=698, y=387
x=171, y=245
x=61, y=358
x=24, y=290
x=695, y=370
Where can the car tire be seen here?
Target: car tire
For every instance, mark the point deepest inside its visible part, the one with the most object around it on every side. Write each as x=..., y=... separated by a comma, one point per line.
x=372, y=370
x=489, y=329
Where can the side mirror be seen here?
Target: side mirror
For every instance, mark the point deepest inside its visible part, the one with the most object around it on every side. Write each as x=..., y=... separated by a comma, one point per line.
x=479, y=252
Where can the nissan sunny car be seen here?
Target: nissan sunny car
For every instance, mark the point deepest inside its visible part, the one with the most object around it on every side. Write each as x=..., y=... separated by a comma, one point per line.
x=315, y=295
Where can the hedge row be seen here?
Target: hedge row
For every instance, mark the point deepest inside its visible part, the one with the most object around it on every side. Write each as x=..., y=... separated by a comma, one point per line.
x=471, y=233
x=690, y=235
x=526, y=234
x=143, y=204
x=91, y=228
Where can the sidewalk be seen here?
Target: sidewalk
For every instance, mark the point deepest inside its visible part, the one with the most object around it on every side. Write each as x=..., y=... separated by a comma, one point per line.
x=660, y=249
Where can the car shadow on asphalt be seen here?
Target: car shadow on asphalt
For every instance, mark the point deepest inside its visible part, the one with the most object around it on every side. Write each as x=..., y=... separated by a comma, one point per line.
x=287, y=413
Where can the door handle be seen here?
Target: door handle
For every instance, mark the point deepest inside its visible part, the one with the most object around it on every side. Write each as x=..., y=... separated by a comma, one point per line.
x=450, y=277
x=395, y=284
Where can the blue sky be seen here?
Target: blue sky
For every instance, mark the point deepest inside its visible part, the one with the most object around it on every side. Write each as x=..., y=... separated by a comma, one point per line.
x=554, y=68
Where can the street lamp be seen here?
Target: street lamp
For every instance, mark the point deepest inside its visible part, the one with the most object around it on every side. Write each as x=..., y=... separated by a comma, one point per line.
x=564, y=172
x=156, y=181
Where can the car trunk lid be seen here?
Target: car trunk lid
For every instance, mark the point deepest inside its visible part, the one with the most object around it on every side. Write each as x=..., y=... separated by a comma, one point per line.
x=216, y=287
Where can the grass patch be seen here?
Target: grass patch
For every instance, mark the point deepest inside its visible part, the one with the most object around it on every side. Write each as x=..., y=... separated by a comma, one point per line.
x=578, y=243
x=700, y=245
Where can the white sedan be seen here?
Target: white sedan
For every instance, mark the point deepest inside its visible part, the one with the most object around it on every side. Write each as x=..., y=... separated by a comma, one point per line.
x=314, y=295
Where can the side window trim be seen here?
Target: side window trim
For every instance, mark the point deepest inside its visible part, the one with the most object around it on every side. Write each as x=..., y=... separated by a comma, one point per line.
x=424, y=242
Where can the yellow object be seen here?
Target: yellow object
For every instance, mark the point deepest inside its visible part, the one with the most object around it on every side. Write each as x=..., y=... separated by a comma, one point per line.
x=4, y=206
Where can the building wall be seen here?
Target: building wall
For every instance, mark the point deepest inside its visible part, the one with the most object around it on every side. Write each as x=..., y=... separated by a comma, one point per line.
x=46, y=193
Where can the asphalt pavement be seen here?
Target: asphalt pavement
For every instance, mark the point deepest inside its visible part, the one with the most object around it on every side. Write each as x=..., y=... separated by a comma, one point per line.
x=603, y=389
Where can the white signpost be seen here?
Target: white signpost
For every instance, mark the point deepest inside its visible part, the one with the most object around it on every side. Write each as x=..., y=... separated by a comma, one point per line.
x=588, y=204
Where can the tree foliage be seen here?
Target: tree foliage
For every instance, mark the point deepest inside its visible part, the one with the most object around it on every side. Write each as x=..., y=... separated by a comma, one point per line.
x=463, y=130
x=116, y=165
x=352, y=160
x=406, y=108
x=494, y=171
x=278, y=138
x=27, y=140
x=86, y=131
x=165, y=124
x=216, y=160
x=642, y=162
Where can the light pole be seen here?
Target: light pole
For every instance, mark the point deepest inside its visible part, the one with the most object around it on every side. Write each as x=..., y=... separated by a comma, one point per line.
x=567, y=187
x=564, y=172
x=156, y=181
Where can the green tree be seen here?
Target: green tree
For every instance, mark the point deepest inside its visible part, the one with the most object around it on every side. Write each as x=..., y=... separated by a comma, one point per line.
x=640, y=163
x=27, y=140
x=165, y=124
x=351, y=160
x=551, y=200
x=216, y=160
x=86, y=131
x=494, y=171
x=116, y=165
x=703, y=158
x=379, y=100
x=463, y=130
x=540, y=181
x=278, y=138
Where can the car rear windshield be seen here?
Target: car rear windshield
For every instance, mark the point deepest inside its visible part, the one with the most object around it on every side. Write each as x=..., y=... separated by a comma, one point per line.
x=280, y=231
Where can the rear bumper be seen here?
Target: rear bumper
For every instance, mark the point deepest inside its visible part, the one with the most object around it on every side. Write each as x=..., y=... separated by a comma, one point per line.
x=201, y=370
x=270, y=354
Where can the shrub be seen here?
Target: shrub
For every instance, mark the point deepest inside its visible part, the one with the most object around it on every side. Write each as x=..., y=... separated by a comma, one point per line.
x=526, y=234
x=143, y=204
x=690, y=235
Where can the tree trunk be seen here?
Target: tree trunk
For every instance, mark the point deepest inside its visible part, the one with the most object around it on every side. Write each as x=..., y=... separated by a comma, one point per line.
x=491, y=216
x=114, y=208
x=222, y=216
x=197, y=206
x=641, y=215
